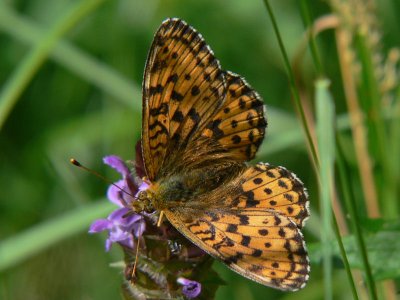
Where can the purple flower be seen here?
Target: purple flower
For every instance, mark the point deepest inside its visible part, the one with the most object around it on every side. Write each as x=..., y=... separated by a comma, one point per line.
x=123, y=223
x=191, y=289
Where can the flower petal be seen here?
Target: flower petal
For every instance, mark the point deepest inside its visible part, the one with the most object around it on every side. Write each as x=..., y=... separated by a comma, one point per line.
x=117, y=163
x=144, y=186
x=131, y=219
x=108, y=244
x=114, y=194
x=191, y=289
x=139, y=227
x=118, y=235
x=122, y=224
x=100, y=225
x=128, y=242
x=119, y=216
x=130, y=190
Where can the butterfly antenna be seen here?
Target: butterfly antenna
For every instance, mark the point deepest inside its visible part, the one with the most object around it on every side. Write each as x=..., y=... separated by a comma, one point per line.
x=98, y=175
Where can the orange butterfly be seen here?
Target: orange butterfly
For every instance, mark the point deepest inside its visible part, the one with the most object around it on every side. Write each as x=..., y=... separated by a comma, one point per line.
x=200, y=125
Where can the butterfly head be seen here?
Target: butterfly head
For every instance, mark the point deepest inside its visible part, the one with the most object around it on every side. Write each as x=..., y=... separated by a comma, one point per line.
x=144, y=202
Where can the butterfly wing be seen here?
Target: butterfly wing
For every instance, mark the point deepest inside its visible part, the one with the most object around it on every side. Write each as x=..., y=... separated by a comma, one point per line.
x=265, y=187
x=250, y=228
x=234, y=133
x=183, y=87
x=187, y=97
x=264, y=246
x=239, y=126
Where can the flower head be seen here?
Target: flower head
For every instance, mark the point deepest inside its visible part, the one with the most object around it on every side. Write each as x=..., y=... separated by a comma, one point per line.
x=123, y=223
x=160, y=244
x=191, y=289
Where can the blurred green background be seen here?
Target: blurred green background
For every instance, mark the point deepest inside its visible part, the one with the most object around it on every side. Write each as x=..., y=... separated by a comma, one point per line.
x=74, y=70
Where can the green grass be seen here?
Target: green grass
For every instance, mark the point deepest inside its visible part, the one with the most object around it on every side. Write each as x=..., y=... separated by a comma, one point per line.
x=70, y=82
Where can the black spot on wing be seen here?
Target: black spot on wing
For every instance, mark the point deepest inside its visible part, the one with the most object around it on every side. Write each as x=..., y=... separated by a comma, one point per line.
x=244, y=220
x=214, y=216
x=236, y=139
x=288, y=197
x=232, y=228
x=250, y=201
x=234, y=259
x=161, y=110
x=245, y=240
x=195, y=90
x=257, y=180
x=173, y=78
x=158, y=89
x=178, y=116
x=176, y=96
x=268, y=191
x=194, y=115
x=282, y=184
x=213, y=126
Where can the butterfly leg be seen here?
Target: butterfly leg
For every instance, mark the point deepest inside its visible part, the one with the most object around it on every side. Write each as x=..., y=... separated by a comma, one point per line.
x=133, y=276
x=160, y=218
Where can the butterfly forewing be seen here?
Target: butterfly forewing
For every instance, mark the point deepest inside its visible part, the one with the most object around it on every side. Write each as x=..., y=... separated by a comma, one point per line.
x=183, y=87
x=240, y=124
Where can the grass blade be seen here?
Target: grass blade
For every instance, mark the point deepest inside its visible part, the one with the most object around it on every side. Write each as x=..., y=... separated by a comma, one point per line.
x=305, y=12
x=36, y=239
x=293, y=87
x=36, y=57
x=74, y=59
x=325, y=112
x=351, y=206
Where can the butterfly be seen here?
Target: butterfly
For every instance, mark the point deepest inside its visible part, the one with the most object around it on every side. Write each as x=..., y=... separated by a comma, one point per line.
x=200, y=126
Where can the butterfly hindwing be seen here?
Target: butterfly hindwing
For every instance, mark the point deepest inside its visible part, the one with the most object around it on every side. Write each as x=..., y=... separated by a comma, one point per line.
x=264, y=186
x=264, y=246
x=183, y=88
x=246, y=223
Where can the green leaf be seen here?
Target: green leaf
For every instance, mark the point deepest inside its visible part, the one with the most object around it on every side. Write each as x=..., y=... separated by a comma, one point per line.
x=383, y=247
x=325, y=111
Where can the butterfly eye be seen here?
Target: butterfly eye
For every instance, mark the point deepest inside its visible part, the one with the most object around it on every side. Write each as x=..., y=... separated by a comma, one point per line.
x=142, y=196
x=143, y=203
